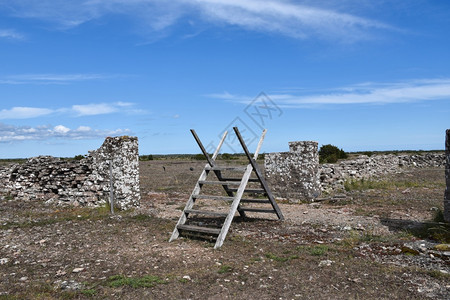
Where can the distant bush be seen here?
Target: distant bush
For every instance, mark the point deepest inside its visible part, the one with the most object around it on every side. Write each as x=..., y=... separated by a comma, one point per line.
x=198, y=157
x=226, y=156
x=146, y=157
x=78, y=157
x=330, y=154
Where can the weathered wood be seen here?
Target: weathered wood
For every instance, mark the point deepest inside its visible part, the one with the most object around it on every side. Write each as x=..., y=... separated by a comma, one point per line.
x=219, y=182
x=225, y=198
x=205, y=212
x=254, y=191
x=234, y=207
x=212, y=197
x=208, y=230
x=258, y=172
x=226, y=168
x=196, y=191
x=259, y=210
x=235, y=199
x=210, y=161
x=255, y=200
x=239, y=179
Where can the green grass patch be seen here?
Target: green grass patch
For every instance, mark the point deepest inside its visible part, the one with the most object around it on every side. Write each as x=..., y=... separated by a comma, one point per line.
x=280, y=258
x=319, y=250
x=134, y=282
x=225, y=269
x=369, y=184
x=89, y=292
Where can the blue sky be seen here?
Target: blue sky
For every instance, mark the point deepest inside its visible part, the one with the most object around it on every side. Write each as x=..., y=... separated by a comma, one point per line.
x=359, y=74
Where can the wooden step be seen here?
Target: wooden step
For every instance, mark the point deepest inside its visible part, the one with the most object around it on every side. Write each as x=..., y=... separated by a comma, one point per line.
x=240, y=179
x=205, y=212
x=255, y=191
x=255, y=200
x=211, y=197
x=258, y=210
x=208, y=230
x=225, y=198
x=219, y=182
x=226, y=168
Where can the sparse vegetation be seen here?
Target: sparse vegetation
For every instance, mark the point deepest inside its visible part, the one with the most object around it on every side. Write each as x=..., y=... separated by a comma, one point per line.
x=146, y=157
x=224, y=269
x=134, y=282
x=259, y=256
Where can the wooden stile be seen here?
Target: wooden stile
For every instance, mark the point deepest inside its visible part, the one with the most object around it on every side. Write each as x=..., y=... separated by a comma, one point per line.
x=234, y=195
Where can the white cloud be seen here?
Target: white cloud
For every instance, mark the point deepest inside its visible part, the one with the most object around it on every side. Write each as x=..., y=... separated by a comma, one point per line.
x=11, y=34
x=94, y=109
x=61, y=129
x=83, y=128
x=365, y=93
x=298, y=19
x=11, y=133
x=78, y=110
x=51, y=78
x=24, y=112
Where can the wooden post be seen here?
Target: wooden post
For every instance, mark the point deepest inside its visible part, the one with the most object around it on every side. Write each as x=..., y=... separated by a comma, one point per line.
x=447, y=177
x=111, y=187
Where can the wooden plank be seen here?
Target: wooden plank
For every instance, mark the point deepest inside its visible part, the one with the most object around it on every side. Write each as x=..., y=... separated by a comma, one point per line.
x=225, y=198
x=255, y=191
x=237, y=198
x=234, y=207
x=258, y=172
x=226, y=168
x=239, y=179
x=212, y=197
x=259, y=210
x=209, y=159
x=208, y=230
x=205, y=212
x=219, y=182
x=255, y=200
x=196, y=191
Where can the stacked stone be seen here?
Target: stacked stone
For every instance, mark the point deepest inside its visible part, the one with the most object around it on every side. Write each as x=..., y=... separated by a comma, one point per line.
x=122, y=152
x=332, y=176
x=53, y=179
x=294, y=175
x=78, y=182
x=447, y=177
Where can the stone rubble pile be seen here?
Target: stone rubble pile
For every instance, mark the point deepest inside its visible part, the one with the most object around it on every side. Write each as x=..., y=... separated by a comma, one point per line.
x=78, y=182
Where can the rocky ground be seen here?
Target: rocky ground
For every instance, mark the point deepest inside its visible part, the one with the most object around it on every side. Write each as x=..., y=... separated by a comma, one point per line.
x=376, y=240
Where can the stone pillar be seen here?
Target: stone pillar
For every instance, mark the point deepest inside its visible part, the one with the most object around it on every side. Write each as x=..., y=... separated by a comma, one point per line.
x=447, y=177
x=295, y=174
x=123, y=153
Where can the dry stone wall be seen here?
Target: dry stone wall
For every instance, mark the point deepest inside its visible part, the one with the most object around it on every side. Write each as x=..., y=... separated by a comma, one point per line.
x=79, y=182
x=333, y=176
x=298, y=176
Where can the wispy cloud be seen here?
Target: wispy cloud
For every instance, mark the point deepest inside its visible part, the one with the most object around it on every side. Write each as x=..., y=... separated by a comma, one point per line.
x=10, y=133
x=11, y=34
x=364, y=93
x=24, y=112
x=299, y=19
x=78, y=110
x=52, y=78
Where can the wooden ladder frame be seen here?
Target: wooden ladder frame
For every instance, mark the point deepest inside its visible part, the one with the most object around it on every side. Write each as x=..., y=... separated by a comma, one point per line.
x=234, y=195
